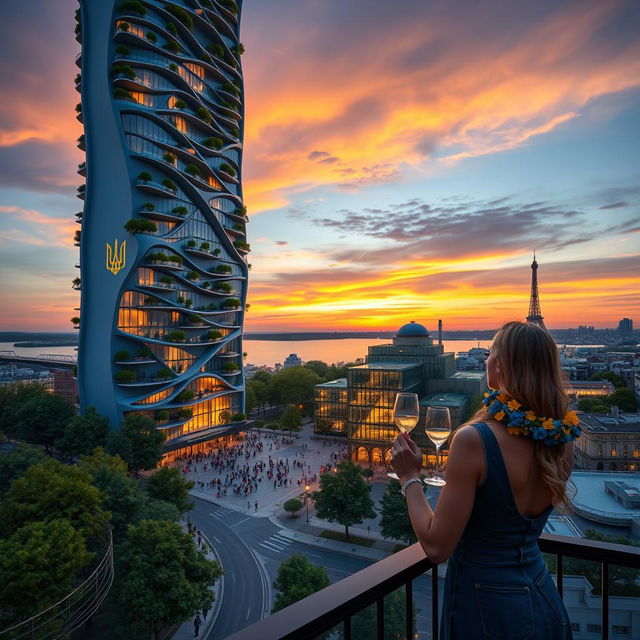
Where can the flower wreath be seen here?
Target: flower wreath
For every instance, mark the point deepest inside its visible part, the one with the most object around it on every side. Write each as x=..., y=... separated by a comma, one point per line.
x=520, y=422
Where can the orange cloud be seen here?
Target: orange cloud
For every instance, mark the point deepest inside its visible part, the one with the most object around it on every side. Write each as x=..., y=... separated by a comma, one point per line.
x=35, y=228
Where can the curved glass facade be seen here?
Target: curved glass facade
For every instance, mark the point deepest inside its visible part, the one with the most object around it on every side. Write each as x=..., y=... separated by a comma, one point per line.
x=163, y=244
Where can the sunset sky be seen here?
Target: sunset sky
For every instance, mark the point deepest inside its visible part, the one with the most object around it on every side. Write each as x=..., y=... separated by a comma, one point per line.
x=402, y=161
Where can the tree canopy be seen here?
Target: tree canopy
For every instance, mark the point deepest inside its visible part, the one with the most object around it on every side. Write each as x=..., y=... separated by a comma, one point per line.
x=292, y=505
x=394, y=516
x=294, y=385
x=14, y=463
x=138, y=443
x=168, y=483
x=42, y=418
x=291, y=418
x=344, y=496
x=297, y=578
x=83, y=434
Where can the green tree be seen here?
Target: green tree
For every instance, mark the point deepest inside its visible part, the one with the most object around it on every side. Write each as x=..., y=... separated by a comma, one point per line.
x=320, y=368
x=617, y=381
x=262, y=376
x=297, y=578
x=98, y=459
x=168, y=483
x=38, y=564
x=83, y=434
x=394, y=516
x=251, y=401
x=291, y=506
x=593, y=405
x=294, y=385
x=154, y=509
x=291, y=418
x=344, y=496
x=138, y=443
x=15, y=462
x=163, y=578
x=43, y=418
x=623, y=398
x=363, y=623
x=260, y=389
x=50, y=491
x=12, y=398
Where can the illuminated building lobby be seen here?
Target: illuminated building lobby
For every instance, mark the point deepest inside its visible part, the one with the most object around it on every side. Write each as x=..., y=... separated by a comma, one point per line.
x=360, y=406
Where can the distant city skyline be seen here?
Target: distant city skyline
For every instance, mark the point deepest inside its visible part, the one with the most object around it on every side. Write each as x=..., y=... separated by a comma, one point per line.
x=398, y=164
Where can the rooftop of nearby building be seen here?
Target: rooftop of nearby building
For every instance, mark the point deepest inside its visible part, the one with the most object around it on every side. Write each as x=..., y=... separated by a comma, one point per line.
x=453, y=400
x=388, y=366
x=469, y=375
x=412, y=330
x=600, y=423
x=340, y=383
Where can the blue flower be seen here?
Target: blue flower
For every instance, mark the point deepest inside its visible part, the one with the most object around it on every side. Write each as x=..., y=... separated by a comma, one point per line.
x=557, y=424
x=539, y=433
x=495, y=407
x=516, y=418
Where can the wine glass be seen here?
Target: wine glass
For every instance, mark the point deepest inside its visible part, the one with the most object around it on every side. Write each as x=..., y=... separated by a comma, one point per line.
x=438, y=428
x=406, y=412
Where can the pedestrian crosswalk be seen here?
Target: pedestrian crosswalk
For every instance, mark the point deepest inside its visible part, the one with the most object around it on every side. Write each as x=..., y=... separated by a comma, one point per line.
x=276, y=543
x=223, y=512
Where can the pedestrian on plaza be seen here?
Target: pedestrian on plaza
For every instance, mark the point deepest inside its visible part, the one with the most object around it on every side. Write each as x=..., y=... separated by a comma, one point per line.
x=507, y=469
x=205, y=612
x=196, y=625
x=248, y=504
x=256, y=505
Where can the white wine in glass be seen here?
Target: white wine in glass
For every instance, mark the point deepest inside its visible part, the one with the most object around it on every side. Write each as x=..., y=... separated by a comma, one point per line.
x=406, y=412
x=437, y=426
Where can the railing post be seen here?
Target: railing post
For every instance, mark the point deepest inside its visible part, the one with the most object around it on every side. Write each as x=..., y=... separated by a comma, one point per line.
x=604, y=580
x=380, y=618
x=560, y=575
x=408, y=600
x=434, y=602
x=346, y=628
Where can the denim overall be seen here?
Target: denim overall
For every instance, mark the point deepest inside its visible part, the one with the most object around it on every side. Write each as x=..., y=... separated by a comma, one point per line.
x=497, y=585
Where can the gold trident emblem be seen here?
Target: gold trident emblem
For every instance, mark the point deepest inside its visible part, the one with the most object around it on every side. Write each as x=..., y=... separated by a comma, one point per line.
x=116, y=257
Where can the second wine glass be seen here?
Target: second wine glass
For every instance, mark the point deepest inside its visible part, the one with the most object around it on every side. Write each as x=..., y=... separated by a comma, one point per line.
x=438, y=429
x=406, y=412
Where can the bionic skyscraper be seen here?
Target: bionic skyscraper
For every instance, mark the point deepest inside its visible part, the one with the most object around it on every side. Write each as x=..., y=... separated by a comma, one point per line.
x=163, y=244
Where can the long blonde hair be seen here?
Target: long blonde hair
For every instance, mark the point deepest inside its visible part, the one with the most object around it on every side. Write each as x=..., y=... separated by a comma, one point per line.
x=530, y=373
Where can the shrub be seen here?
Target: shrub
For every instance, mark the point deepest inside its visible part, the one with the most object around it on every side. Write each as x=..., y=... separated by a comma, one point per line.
x=140, y=226
x=239, y=48
x=169, y=184
x=120, y=94
x=193, y=275
x=174, y=258
x=227, y=168
x=216, y=251
x=230, y=5
x=203, y=114
x=126, y=376
x=180, y=211
x=224, y=287
x=191, y=244
x=213, y=143
x=121, y=50
x=121, y=355
x=231, y=303
x=241, y=245
x=180, y=104
x=177, y=336
x=240, y=227
x=145, y=176
x=79, y=108
x=205, y=246
x=238, y=417
x=173, y=46
x=206, y=284
x=230, y=88
x=164, y=373
x=148, y=206
x=185, y=396
x=185, y=414
x=188, y=302
x=123, y=70
x=216, y=49
x=75, y=320
x=143, y=352
x=180, y=13
x=223, y=268
x=124, y=26
x=162, y=415
x=211, y=307
x=81, y=188
x=132, y=6
x=152, y=37
x=76, y=282
x=77, y=235
x=166, y=280
x=192, y=170
x=169, y=157
x=171, y=28
x=194, y=319
x=228, y=367
x=214, y=334
x=173, y=66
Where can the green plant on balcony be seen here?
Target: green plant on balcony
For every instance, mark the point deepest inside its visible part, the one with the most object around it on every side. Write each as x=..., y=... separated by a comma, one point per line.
x=230, y=88
x=122, y=94
x=152, y=37
x=162, y=415
x=79, y=215
x=230, y=5
x=76, y=282
x=216, y=49
x=216, y=251
x=145, y=176
x=81, y=188
x=239, y=49
x=240, y=227
x=224, y=287
x=188, y=303
x=143, y=352
x=203, y=114
x=205, y=57
x=173, y=66
x=193, y=276
x=78, y=78
x=195, y=319
x=180, y=211
x=163, y=373
x=207, y=3
x=140, y=226
x=214, y=334
x=205, y=246
x=169, y=157
x=181, y=13
x=123, y=51
x=124, y=26
x=75, y=320
x=223, y=268
x=229, y=367
x=175, y=259
x=180, y=300
x=213, y=142
x=132, y=6
x=76, y=236
x=185, y=395
x=80, y=139
x=185, y=414
x=125, y=377
x=227, y=168
x=235, y=132
x=148, y=206
x=238, y=417
x=191, y=244
x=166, y=280
x=121, y=356
x=242, y=246
x=169, y=184
x=148, y=300
x=192, y=170
x=79, y=108
x=123, y=70
x=212, y=306
x=173, y=46
x=171, y=28
x=180, y=104
x=206, y=284
x=231, y=303
x=177, y=336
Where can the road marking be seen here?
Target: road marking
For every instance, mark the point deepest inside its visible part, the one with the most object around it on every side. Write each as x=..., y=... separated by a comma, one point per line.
x=248, y=613
x=266, y=545
x=313, y=555
x=280, y=539
x=216, y=539
x=241, y=521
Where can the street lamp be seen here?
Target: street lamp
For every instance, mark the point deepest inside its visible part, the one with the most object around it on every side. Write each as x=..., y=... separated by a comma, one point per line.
x=306, y=499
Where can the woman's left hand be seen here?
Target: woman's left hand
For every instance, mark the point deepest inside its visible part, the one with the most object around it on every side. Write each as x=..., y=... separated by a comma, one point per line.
x=406, y=458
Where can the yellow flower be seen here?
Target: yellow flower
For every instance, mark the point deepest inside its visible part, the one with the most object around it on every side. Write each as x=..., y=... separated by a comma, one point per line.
x=499, y=415
x=503, y=397
x=514, y=431
x=486, y=394
x=514, y=405
x=572, y=418
x=530, y=416
x=548, y=424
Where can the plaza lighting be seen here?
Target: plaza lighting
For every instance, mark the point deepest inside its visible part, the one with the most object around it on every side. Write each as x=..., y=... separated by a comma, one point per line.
x=306, y=499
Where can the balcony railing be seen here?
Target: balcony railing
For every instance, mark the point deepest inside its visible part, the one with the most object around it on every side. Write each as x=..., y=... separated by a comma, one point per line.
x=333, y=608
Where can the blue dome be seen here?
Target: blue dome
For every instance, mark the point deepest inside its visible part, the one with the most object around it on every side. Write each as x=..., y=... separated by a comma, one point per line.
x=413, y=330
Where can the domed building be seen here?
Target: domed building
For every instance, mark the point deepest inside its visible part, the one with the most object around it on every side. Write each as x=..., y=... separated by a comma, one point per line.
x=360, y=406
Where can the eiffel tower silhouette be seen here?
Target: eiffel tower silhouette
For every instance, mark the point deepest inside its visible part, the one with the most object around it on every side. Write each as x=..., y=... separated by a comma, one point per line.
x=535, y=314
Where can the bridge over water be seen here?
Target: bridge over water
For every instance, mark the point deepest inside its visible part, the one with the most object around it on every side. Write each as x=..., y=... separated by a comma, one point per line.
x=43, y=359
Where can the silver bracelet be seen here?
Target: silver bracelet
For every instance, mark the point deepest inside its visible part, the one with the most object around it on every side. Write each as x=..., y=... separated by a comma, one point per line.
x=405, y=486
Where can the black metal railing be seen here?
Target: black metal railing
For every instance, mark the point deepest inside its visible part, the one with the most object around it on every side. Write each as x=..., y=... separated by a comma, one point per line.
x=334, y=607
